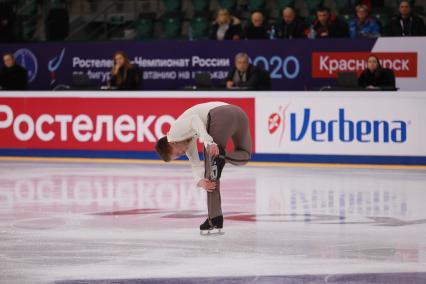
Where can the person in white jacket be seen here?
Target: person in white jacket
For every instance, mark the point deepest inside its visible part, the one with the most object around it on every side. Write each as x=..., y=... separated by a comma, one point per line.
x=214, y=123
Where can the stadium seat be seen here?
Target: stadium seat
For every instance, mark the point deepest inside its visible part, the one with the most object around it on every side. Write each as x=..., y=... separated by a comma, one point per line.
x=200, y=5
x=281, y=4
x=171, y=26
x=345, y=17
x=57, y=24
x=342, y=5
x=312, y=5
x=57, y=4
x=230, y=5
x=200, y=26
x=172, y=5
x=28, y=7
x=116, y=20
x=256, y=5
x=383, y=19
x=145, y=26
x=28, y=11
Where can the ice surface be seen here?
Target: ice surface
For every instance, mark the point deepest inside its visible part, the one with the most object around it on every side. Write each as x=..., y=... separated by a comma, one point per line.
x=70, y=221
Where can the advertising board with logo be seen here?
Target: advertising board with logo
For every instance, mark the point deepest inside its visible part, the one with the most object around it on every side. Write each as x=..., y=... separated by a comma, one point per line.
x=335, y=124
x=90, y=123
x=292, y=64
x=329, y=127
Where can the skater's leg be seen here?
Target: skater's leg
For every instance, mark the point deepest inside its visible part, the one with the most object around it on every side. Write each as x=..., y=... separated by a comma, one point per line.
x=214, y=204
x=242, y=141
x=225, y=122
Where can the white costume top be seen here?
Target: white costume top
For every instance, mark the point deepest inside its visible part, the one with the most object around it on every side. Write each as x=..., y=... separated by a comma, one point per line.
x=193, y=124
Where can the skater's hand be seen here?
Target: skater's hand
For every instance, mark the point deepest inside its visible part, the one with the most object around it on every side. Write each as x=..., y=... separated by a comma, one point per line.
x=213, y=150
x=207, y=184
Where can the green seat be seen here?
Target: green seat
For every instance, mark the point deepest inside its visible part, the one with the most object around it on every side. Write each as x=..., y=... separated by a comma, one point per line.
x=57, y=4
x=200, y=5
x=144, y=29
x=345, y=17
x=200, y=28
x=383, y=19
x=230, y=5
x=28, y=30
x=172, y=5
x=28, y=7
x=312, y=5
x=171, y=27
x=342, y=4
x=256, y=5
x=281, y=4
x=116, y=20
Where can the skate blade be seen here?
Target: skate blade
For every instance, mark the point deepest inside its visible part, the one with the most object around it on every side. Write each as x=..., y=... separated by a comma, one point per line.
x=213, y=232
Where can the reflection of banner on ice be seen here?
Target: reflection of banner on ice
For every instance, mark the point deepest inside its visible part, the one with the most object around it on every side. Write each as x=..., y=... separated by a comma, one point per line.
x=318, y=197
x=100, y=192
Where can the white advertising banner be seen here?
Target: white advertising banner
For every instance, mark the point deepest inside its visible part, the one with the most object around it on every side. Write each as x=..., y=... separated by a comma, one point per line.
x=336, y=123
x=411, y=72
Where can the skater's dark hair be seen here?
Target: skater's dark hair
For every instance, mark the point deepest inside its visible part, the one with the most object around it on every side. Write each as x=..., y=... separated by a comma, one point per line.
x=163, y=149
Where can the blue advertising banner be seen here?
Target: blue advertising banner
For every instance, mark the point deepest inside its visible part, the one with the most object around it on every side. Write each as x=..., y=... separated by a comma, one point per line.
x=171, y=65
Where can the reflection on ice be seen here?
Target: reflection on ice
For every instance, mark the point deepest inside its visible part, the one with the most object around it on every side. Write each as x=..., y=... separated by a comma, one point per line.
x=91, y=221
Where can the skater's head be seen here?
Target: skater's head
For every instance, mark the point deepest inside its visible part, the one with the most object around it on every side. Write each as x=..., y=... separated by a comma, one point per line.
x=169, y=151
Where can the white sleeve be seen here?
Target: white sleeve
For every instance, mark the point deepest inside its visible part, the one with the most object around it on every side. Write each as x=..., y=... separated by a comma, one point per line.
x=196, y=165
x=200, y=129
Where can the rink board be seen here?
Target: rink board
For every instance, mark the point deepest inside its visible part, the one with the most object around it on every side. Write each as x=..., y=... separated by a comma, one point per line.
x=385, y=128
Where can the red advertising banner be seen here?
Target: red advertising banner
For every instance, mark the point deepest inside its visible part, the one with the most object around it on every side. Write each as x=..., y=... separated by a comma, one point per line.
x=328, y=64
x=125, y=124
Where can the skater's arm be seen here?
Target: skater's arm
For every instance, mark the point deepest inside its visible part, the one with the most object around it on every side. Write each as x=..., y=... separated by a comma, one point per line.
x=194, y=159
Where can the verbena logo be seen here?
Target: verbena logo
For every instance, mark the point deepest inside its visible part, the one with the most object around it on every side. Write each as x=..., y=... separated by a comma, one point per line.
x=342, y=128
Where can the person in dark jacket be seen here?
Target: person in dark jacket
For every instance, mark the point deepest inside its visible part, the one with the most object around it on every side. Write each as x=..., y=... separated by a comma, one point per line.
x=406, y=23
x=327, y=25
x=124, y=75
x=256, y=29
x=13, y=76
x=375, y=76
x=243, y=75
x=291, y=26
x=226, y=27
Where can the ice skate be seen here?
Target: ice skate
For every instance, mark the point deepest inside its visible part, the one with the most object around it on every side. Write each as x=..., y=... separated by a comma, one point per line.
x=212, y=226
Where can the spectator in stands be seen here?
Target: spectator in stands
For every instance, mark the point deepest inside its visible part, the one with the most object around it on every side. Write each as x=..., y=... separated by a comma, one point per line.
x=406, y=23
x=226, y=27
x=363, y=25
x=243, y=75
x=375, y=76
x=256, y=29
x=327, y=25
x=7, y=20
x=291, y=26
x=124, y=75
x=13, y=76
